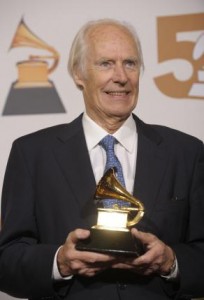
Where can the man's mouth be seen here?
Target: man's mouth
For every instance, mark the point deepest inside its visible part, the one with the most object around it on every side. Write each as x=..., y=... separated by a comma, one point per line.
x=117, y=93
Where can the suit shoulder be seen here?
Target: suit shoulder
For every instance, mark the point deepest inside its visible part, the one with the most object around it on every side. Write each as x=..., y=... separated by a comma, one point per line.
x=173, y=138
x=175, y=135
x=41, y=134
x=50, y=133
x=179, y=143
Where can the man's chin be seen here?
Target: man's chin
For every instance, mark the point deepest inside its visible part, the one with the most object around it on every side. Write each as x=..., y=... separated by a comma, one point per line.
x=120, y=115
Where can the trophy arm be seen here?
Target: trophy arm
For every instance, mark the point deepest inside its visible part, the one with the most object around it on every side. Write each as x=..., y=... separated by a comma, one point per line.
x=138, y=216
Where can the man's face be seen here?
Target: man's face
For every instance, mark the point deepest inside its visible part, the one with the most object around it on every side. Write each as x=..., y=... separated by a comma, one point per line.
x=111, y=81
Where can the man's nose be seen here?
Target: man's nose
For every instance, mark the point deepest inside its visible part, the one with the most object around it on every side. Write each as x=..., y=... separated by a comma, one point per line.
x=120, y=75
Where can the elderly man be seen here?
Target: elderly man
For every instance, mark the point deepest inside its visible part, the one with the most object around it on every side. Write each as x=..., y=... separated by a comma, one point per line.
x=51, y=176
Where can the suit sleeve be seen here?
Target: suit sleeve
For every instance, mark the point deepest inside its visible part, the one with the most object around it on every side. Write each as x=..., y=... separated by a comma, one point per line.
x=25, y=263
x=190, y=254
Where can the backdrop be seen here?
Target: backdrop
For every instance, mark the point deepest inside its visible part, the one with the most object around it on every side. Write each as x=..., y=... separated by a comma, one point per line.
x=36, y=90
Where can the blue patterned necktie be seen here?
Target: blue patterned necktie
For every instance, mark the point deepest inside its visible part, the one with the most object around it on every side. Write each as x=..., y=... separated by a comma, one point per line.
x=108, y=143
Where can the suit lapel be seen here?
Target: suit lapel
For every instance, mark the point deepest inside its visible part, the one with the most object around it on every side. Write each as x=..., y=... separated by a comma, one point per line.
x=151, y=164
x=72, y=155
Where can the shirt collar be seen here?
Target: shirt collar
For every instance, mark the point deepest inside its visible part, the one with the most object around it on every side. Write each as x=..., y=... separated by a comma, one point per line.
x=125, y=135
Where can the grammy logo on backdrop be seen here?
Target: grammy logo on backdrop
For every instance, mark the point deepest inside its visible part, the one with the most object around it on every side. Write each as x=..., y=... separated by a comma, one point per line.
x=33, y=92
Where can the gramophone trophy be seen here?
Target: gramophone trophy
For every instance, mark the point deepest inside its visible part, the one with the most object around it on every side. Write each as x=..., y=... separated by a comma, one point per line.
x=33, y=92
x=112, y=233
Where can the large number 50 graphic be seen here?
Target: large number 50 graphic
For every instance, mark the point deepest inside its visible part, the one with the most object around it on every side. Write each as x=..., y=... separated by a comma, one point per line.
x=171, y=48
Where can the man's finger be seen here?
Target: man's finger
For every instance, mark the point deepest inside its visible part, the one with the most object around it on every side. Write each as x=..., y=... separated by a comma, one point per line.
x=78, y=234
x=144, y=237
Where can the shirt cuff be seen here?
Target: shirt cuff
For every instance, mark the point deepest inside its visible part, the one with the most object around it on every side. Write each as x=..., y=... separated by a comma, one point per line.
x=174, y=272
x=55, y=271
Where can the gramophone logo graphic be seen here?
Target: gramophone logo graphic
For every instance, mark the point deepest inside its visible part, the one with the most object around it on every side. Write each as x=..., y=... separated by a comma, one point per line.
x=33, y=92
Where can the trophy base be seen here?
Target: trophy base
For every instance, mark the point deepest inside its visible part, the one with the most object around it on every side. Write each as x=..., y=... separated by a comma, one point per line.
x=112, y=242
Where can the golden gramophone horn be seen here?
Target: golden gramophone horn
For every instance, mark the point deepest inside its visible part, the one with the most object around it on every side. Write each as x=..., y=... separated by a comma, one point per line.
x=110, y=187
x=24, y=37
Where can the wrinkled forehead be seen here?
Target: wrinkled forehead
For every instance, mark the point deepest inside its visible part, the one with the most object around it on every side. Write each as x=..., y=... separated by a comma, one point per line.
x=105, y=34
x=110, y=33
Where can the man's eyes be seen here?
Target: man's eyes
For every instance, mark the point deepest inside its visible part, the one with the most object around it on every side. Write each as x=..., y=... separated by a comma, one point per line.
x=108, y=64
x=105, y=64
x=131, y=64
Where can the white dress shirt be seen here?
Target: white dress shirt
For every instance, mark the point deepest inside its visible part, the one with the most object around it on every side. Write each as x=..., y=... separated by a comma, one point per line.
x=125, y=149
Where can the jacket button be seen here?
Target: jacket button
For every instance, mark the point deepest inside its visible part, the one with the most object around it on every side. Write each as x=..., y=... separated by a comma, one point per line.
x=122, y=286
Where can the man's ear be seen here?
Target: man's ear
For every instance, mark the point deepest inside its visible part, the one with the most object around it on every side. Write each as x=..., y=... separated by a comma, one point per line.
x=79, y=79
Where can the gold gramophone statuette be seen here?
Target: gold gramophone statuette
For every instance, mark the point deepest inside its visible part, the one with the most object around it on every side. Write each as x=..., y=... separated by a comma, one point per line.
x=111, y=234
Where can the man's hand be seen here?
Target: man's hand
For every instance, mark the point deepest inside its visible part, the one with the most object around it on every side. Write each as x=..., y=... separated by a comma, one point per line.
x=71, y=261
x=158, y=257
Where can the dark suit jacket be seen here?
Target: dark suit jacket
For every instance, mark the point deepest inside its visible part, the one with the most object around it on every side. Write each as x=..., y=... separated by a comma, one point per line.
x=48, y=192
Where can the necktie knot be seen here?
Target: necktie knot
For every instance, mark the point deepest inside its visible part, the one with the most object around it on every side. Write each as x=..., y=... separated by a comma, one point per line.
x=108, y=143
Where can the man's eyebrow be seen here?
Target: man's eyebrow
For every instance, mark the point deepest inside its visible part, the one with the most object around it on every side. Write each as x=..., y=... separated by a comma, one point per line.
x=104, y=58
x=135, y=58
